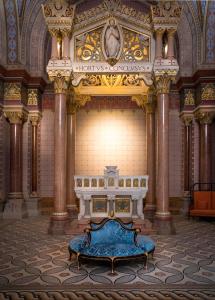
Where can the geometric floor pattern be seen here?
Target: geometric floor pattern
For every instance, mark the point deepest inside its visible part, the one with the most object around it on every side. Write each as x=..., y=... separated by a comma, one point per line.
x=35, y=265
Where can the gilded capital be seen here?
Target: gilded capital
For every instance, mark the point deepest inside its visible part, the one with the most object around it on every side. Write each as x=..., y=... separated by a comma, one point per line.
x=162, y=83
x=35, y=119
x=60, y=84
x=187, y=119
x=33, y=97
x=205, y=117
x=16, y=117
x=76, y=101
x=12, y=91
x=140, y=99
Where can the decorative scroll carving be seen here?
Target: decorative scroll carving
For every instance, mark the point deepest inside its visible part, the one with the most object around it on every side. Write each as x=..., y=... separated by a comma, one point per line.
x=111, y=80
x=33, y=97
x=12, y=91
x=189, y=98
x=88, y=46
x=205, y=117
x=163, y=84
x=208, y=92
x=136, y=46
x=16, y=117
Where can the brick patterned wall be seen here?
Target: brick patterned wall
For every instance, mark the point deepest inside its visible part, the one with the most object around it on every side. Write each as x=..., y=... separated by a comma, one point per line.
x=175, y=154
x=111, y=137
x=4, y=158
x=47, y=154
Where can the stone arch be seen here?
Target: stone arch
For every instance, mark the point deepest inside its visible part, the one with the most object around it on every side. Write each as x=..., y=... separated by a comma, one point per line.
x=34, y=39
x=3, y=38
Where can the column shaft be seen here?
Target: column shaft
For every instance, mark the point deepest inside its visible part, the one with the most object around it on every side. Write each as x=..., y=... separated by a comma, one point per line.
x=187, y=157
x=66, y=47
x=16, y=158
x=54, y=53
x=34, y=160
x=205, y=153
x=170, y=51
x=158, y=49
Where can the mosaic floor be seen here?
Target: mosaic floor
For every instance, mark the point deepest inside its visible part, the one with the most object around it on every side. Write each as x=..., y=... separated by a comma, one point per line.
x=32, y=260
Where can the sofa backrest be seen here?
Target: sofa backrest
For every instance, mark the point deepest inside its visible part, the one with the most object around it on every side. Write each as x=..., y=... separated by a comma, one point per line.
x=112, y=232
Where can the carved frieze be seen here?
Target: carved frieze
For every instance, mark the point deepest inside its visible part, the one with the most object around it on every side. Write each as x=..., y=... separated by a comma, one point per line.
x=12, y=91
x=189, y=98
x=208, y=92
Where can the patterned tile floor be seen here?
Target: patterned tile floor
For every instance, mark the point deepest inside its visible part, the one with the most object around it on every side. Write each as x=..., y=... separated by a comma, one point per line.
x=28, y=255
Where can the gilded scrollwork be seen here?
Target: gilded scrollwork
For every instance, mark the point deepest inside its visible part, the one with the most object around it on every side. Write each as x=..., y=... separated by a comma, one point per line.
x=208, y=92
x=136, y=46
x=88, y=46
x=189, y=98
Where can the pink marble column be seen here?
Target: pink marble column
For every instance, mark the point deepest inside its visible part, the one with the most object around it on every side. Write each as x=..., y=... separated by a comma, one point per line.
x=205, y=171
x=54, y=53
x=163, y=219
x=59, y=220
x=66, y=54
x=71, y=197
x=150, y=207
x=170, y=51
x=159, y=43
x=14, y=207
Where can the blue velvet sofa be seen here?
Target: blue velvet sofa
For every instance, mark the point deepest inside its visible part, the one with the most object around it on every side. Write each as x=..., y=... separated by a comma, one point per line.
x=112, y=240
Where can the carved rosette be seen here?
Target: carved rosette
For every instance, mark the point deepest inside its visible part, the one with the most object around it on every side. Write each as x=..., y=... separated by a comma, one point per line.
x=208, y=92
x=12, y=91
x=16, y=116
x=205, y=117
x=163, y=84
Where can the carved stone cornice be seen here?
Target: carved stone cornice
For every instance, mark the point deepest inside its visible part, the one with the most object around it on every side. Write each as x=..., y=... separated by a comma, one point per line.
x=204, y=117
x=189, y=98
x=163, y=84
x=35, y=118
x=166, y=14
x=58, y=16
x=12, y=91
x=15, y=115
x=208, y=92
x=33, y=97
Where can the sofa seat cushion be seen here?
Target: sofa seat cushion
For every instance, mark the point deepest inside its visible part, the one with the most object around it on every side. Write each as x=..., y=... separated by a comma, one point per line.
x=145, y=243
x=111, y=250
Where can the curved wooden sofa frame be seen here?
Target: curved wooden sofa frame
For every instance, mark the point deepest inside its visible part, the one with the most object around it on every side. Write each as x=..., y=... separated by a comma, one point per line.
x=96, y=227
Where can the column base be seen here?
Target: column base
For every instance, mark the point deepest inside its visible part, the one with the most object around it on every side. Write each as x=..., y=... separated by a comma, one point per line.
x=72, y=211
x=149, y=212
x=15, y=207
x=164, y=224
x=59, y=224
x=33, y=206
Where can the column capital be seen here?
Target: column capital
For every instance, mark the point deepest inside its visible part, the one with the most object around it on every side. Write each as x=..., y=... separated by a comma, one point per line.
x=16, y=116
x=187, y=119
x=35, y=118
x=162, y=83
x=140, y=99
x=204, y=117
x=60, y=84
x=171, y=31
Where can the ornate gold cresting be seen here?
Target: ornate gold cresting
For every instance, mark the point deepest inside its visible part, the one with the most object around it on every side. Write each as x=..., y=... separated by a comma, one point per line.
x=12, y=91
x=189, y=98
x=208, y=92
